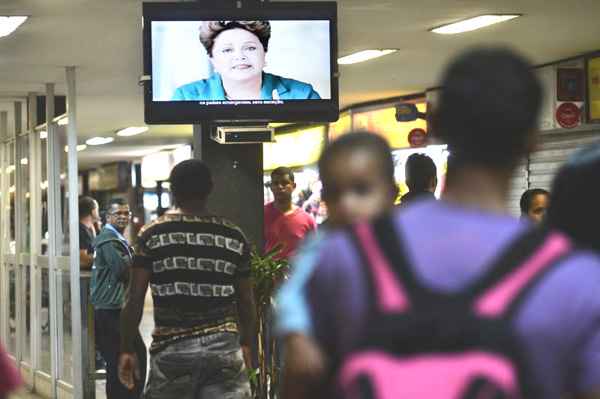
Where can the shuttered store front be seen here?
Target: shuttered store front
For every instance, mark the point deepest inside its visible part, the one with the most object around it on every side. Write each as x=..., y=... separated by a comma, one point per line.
x=554, y=149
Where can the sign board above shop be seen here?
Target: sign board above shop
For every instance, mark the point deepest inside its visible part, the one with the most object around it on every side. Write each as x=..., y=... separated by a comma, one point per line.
x=383, y=122
x=299, y=148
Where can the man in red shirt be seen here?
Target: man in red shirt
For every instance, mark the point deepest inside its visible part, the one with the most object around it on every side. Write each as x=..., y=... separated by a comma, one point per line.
x=285, y=224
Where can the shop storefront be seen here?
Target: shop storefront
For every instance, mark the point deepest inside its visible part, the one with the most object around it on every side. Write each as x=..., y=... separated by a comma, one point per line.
x=155, y=169
x=298, y=149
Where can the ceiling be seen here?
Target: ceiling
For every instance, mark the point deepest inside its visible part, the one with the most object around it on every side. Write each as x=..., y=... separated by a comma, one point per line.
x=103, y=39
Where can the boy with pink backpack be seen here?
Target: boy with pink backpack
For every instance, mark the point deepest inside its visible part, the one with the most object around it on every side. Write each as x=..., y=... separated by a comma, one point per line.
x=455, y=298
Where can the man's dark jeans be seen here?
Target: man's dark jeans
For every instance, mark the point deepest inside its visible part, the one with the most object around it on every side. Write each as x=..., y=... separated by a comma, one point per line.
x=108, y=340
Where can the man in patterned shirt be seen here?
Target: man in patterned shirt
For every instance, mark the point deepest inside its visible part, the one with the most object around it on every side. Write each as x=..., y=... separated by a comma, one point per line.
x=198, y=268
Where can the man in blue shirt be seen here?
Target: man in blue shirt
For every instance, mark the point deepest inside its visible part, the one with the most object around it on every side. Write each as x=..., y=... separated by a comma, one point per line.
x=110, y=275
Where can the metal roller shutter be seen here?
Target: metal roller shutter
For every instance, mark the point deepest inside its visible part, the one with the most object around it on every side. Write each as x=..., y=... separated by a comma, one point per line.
x=553, y=149
x=518, y=184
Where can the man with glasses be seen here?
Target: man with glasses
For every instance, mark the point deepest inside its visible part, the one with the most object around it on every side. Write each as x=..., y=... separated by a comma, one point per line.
x=110, y=274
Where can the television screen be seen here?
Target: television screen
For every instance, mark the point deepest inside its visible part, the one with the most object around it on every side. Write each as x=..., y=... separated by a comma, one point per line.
x=276, y=62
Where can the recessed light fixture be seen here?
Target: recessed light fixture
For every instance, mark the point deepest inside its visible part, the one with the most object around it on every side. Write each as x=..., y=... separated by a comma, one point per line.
x=80, y=147
x=132, y=131
x=9, y=24
x=99, y=140
x=43, y=135
x=364, y=55
x=24, y=161
x=470, y=24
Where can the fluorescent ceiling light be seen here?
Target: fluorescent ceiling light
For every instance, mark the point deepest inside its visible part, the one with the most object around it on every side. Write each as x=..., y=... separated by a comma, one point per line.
x=63, y=121
x=43, y=135
x=132, y=131
x=9, y=24
x=80, y=147
x=470, y=24
x=99, y=140
x=364, y=55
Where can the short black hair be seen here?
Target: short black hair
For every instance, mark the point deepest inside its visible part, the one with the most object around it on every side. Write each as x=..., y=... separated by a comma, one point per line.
x=86, y=206
x=488, y=107
x=190, y=180
x=283, y=171
x=575, y=201
x=115, y=202
x=528, y=196
x=371, y=142
x=419, y=170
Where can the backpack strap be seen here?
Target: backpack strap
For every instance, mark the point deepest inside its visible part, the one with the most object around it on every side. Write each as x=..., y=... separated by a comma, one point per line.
x=518, y=266
x=386, y=288
x=503, y=294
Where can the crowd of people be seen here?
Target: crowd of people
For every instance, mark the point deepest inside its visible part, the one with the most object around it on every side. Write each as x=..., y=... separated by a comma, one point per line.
x=449, y=298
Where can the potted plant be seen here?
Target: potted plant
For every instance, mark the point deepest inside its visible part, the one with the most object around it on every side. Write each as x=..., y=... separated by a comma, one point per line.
x=267, y=273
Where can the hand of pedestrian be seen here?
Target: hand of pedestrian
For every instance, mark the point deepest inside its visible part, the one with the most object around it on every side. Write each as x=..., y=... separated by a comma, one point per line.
x=247, y=352
x=128, y=370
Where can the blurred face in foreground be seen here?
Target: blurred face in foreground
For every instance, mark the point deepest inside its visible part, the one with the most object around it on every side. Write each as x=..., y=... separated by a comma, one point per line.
x=355, y=187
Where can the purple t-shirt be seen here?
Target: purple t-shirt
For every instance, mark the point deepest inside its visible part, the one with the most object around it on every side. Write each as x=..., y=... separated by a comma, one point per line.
x=448, y=247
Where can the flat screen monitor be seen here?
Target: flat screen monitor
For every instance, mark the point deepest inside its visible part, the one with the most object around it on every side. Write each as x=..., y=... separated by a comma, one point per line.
x=274, y=62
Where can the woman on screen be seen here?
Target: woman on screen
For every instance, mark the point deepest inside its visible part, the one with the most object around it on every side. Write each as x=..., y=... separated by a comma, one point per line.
x=237, y=51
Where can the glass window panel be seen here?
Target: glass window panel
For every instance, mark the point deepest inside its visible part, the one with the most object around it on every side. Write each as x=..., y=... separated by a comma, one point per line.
x=27, y=316
x=66, y=353
x=12, y=189
x=24, y=167
x=64, y=189
x=12, y=310
x=45, y=354
x=44, y=205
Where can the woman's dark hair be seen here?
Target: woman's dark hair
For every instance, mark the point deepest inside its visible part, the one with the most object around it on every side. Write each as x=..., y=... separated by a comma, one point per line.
x=190, y=180
x=420, y=170
x=528, y=196
x=209, y=30
x=358, y=141
x=575, y=201
x=489, y=104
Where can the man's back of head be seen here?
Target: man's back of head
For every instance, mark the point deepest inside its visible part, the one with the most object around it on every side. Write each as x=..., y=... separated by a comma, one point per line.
x=421, y=173
x=488, y=108
x=191, y=183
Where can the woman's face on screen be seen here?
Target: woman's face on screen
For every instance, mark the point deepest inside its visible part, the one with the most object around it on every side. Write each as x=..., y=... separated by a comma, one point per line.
x=238, y=55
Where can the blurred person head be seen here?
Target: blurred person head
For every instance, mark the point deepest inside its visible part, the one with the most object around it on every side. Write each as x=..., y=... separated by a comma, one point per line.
x=534, y=203
x=575, y=205
x=421, y=173
x=88, y=207
x=282, y=184
x=237, y=49
x=488, y=108
x=118, y=214
x=191, y=184
x=357, y=171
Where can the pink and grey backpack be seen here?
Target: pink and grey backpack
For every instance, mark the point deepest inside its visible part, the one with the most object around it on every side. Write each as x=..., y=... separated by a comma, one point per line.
x=419, y=343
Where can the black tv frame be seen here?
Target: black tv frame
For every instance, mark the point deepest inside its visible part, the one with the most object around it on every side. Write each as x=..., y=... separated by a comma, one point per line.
x=187, y=112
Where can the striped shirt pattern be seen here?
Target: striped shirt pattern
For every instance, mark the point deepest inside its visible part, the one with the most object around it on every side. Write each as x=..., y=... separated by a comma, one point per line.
x=194, y=263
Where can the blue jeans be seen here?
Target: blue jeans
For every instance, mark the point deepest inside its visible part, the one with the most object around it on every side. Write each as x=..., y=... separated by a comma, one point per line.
x=205, y=367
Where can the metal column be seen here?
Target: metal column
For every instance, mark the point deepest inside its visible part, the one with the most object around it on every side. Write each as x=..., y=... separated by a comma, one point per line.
x=35, y=170
x=54, y=228
x=78, y=349
x=3, y=230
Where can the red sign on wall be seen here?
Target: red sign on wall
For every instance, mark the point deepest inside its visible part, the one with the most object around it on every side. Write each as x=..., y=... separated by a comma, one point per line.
x=568, y=115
